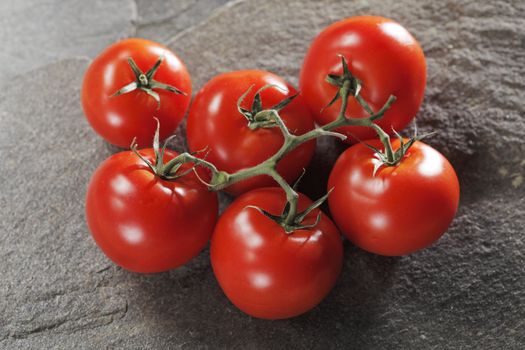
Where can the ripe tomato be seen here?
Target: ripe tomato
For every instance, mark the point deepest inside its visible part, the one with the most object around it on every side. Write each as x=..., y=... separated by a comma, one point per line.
x=144, y=223
x=383, y=55
x=119, y=119
x=214, y=122
x=266, y=272
x=402, y=208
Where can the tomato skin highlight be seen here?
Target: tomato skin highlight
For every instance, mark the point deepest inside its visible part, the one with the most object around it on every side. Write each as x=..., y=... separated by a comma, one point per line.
x=402, y=208
x=264, y=271
x=383, y=55
x=119, y=119
x=146, y=224
x=215, y=123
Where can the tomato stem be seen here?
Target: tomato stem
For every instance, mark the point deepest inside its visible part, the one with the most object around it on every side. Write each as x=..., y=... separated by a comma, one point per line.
x=385, y=140
x=348, y=86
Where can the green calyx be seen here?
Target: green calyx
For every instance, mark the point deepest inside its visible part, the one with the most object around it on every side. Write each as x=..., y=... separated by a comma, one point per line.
x=168, y=171
x=389, y=157
x=146, y=83
x=297, y=222
x=257, y=116
x=347, y=84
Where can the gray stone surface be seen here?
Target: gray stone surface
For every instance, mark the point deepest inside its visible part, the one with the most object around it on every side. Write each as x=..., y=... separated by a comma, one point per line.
x=34, y=32
x=465, y=292
x=160, y=20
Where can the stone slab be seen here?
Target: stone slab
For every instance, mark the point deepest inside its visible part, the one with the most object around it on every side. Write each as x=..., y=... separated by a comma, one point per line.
x=465, y=292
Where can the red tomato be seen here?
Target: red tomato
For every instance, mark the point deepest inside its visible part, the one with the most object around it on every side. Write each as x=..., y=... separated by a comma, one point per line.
x=119, y=119
x=266, y=272
x=215, y=122
x=402, y=208
x=383, y=55
x=144, y=223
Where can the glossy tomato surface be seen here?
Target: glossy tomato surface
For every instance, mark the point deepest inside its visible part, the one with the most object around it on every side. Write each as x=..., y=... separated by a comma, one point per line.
x=383, y=55
x=402, y=208
x=144, y=223
x=119, y=119
x=215, y=123
x=266, y=272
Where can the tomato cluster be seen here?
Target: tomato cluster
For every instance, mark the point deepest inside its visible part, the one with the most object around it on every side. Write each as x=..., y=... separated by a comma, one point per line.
x=274, y=253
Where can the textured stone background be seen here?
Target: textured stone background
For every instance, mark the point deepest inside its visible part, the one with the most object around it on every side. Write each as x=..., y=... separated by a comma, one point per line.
x=58, y=291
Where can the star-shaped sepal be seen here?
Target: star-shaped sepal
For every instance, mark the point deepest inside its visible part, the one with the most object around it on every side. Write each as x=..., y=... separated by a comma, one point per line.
x=298, y=221
x=347, y=84
x=257, y=116
x=146, y=83
x=167, y=171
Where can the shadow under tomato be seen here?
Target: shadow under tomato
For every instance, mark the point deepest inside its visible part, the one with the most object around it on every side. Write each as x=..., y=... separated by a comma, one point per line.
x=356, y=302
x=314, y=182
x=188, y=303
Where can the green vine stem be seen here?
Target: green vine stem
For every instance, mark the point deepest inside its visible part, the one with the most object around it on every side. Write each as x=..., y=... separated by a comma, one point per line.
x=348, y=87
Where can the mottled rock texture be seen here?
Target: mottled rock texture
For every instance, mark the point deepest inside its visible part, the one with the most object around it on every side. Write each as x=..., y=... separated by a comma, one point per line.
x=34, y=32
x=160, y=20
x=58, y=291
